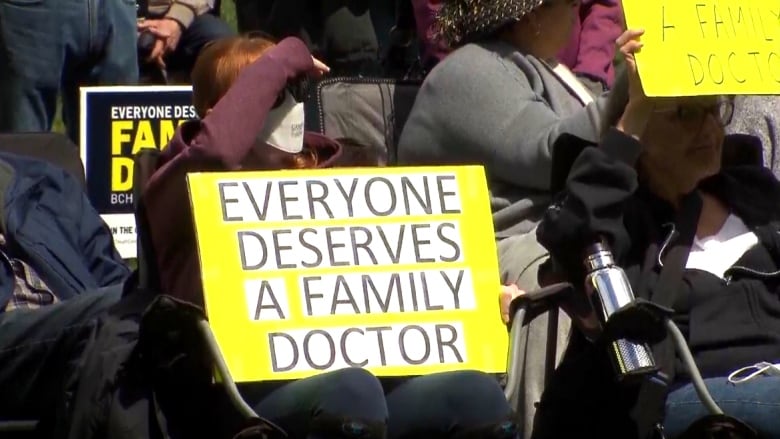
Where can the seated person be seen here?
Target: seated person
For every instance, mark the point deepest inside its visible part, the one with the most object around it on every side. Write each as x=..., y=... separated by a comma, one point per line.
x=660, y=165
x=180, y=29
x=59, y=270
x=244, y=90
x=589, y=52
x=501, y=99
x=345, y=34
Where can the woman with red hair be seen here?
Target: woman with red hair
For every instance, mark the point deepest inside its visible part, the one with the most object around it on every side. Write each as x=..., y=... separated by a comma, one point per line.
x=247, y=92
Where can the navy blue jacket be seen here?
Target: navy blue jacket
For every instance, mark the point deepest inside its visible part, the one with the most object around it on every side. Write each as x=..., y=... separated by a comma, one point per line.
x=49, y=223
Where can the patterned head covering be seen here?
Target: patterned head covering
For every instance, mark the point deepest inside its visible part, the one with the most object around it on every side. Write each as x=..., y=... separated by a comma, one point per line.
x=461, y=20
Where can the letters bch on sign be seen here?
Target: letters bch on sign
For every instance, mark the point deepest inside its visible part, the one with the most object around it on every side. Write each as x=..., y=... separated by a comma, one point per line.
x=707, y=47
x=394, y=270
x=117, y=122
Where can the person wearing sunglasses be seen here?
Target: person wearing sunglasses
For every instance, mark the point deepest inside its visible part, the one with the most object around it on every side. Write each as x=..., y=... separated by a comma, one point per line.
x=655, y=186
x=500, y=99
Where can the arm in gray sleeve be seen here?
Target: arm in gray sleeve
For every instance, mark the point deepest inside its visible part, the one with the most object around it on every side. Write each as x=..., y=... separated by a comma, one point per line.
x=494, y=117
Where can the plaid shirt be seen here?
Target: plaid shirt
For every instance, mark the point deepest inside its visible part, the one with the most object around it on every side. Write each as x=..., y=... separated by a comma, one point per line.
x=30, y=291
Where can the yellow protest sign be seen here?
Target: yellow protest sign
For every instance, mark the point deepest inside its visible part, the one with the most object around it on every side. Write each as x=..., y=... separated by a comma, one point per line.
x=390, y=269
x=707, y=47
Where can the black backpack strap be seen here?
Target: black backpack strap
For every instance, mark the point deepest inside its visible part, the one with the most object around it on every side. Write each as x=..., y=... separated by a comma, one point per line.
x=675, y=256
x=648, y=410
x=144, y=166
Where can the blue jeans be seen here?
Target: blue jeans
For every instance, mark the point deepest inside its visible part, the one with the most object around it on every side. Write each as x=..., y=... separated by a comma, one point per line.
x=443, y=405
x=323, y=406
x=755, y=402
x=48, y=46
x=203, y=30
x=40, y=348
x=465, y=404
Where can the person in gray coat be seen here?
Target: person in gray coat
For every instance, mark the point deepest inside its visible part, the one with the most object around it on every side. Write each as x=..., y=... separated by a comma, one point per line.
x=500, y=99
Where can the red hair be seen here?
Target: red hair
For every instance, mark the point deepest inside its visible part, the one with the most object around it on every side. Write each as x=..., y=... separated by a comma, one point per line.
x=216, y=69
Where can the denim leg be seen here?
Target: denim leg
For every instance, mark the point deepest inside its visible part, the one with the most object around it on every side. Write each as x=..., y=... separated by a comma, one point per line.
x=755, y=402
x=38, y=346
x=101, y=50
x=328, y=405
x=204, y=29
x=449, y=405
x=383, y=19
x=252, y=14
x=31, y=56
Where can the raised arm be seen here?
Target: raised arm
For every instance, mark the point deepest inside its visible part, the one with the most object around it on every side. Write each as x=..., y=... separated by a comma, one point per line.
x=492, y=116
x=229, y=131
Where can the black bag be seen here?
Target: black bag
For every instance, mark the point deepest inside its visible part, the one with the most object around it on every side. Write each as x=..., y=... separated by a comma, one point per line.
x=148, y=374
x=719, y=427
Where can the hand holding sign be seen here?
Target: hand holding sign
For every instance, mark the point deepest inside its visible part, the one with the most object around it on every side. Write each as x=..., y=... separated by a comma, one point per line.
x=506, y=296
x=639, y=107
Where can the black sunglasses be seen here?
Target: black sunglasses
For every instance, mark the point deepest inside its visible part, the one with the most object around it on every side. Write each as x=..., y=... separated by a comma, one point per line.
x=299, y=89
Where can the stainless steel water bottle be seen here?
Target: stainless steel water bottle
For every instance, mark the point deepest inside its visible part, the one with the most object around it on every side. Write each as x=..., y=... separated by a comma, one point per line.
x=610, y=284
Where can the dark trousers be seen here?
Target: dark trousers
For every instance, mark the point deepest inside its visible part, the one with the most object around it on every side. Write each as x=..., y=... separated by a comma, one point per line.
x=41, y=348
x=445, y=405
x=203, y=30
x=53, y=46
x=342, y=33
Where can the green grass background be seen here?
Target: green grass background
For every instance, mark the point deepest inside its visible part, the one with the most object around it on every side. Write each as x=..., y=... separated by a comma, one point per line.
x=228, y=13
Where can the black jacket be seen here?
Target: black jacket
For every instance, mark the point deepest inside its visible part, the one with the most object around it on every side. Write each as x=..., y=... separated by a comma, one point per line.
x=728, y=323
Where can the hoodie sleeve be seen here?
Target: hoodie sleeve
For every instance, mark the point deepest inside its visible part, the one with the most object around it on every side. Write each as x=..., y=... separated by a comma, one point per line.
x=592, y=205
x=480, y=107
x=228, y=132
x=218, y=142
x=602, y=24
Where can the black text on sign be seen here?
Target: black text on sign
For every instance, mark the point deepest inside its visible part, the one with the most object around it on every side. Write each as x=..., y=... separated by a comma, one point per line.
x=369, y=346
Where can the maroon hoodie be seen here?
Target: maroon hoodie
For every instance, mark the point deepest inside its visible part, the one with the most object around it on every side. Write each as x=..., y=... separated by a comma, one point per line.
x=591, y=48
x=425, y=12
x=224, y=140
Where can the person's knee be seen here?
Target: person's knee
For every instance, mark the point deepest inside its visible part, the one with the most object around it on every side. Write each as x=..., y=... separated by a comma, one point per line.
x=352, y=406
x=479, y=406
x=355, y=385
x=353, y=393
x=477, y=395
